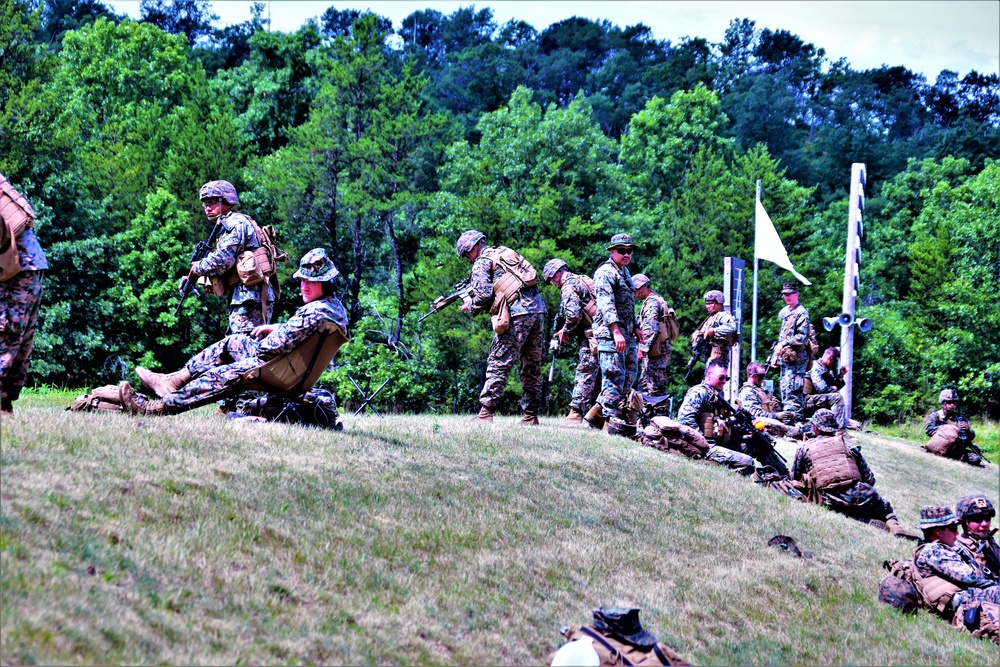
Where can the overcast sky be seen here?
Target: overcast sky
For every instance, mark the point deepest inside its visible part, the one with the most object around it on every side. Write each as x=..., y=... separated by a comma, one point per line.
x=924, y=36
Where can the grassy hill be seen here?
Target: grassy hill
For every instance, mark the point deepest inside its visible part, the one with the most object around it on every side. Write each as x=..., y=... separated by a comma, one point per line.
x=424, y=539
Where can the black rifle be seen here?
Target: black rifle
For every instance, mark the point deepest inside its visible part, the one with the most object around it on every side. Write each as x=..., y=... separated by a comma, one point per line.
x=463, y=290
x=201, y=250
x=701, y=349
x=756, y=443
x=556, y=343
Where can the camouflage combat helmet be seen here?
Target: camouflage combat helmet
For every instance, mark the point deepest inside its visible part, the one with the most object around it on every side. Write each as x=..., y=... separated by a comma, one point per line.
x=899, y=593
x=551, y=268
x=756, y=369
x=467, y=241
x=223, y=189
x=825, y=421
x=933, y=516
x=715, y=295
x=640, y=280
x=949, y=395
x=974, y=504
x=621, y=241
x=316, y=266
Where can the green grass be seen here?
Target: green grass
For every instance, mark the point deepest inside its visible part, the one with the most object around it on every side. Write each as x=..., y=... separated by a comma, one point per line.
x=987, y=435
x=428, y=540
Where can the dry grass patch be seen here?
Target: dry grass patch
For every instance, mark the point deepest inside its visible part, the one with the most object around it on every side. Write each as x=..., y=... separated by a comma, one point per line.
x=427, y=539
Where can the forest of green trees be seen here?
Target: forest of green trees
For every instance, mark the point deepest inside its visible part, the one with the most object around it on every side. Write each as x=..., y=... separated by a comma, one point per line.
x=384, y=146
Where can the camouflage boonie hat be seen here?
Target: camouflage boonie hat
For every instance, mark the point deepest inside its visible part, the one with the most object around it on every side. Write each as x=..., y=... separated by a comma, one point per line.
x=316, y=266
x=640, y=280
x=949, y=395
x=825, y=421
x=467, y=241
x=899, y=593
x=551, y=268
x=223, y=189
x=974, y=504
x=789, y=288
x=756, y=369
x=621, y=241
x=715, y=295
x=932, y=516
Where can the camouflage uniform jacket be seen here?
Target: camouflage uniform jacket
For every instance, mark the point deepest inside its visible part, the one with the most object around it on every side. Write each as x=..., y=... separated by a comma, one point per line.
x=575, y=296
x=615, y=301
x=979, y=548
x=938, y=418
x=794, y=329
x=29, y=252
x=803, y=464
x=307, y=319
x=484, y=274
x=757, y=401
x=824, y=380
x=723, y=330
x=956, y=564
x=698, y=399
x=238, y=234
x=650, y=315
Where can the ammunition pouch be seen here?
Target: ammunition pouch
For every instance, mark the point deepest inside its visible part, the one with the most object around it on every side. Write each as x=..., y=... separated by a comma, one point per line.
x=500, y=314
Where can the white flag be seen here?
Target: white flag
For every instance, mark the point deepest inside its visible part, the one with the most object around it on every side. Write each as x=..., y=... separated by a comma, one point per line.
x=767, y=245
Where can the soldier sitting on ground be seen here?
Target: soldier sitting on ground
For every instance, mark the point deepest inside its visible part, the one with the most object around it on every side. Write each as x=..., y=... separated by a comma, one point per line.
x=823, y=383
x=218, y=368
x=702, y=411
x=950, y=433
x=974, y=512
x=836, y=475
x=760, y=403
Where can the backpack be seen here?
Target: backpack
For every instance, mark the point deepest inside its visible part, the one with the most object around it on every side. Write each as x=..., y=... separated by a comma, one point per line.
x=101, y=399
x=317, y=407
x=257, y=265
x=16, y=215
x=619, y=640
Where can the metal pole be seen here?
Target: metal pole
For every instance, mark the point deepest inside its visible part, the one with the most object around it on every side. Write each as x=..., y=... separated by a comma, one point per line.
x=756, y=265
x=852, y=279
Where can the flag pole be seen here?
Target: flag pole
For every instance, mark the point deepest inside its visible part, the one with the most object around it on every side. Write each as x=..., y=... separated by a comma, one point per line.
x=756, y=264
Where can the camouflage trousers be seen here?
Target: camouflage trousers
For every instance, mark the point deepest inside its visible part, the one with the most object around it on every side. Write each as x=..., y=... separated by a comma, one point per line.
x=832, y=401
x=859, y=501
x=588, y=372
x=653, y=378
x=792, y=398
x=216, y=371
x=618, y=371
x=20, y=298
x=738, y=461
x=524, y=340
x=243, y=317
x=970, y=595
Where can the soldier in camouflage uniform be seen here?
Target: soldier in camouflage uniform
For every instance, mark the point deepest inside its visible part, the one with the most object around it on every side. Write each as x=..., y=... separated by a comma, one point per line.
x=20, y=299
x=719, y=327
x=524, y=338
x=702, y=411
x=949, y=574
x=654, y=352
x=792, y=352
x=975, y=512
x=616, y=331
x=215, y=371
x=759, y=403
x=577, y=298
x=826, y=383
x=966, y=450
x=839, y=474
x=246, y=306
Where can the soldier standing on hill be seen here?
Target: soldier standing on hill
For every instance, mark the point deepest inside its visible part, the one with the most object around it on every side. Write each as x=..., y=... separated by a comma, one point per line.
x=792, y=351
x=616, y=331
x=22, y=265
x=654, y=352
x=579, y=306
x=507, y=285
x=719, y=328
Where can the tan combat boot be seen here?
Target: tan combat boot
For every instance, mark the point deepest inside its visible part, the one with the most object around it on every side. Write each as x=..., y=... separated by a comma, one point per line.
x=485, y=415
x=574, y=418
x=134, y=404
x=162, y=384
x=595, y=416
x=896, y=529
x=529, y=419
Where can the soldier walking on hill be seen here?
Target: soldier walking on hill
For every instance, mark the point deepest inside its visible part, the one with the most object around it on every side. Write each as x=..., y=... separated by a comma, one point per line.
x=792, y=353
x=655, y=318
x=616, y=331
x=579, y=306
x=507, y=285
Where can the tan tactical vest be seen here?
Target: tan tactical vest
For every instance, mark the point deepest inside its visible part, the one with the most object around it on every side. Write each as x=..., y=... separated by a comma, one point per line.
x=518, y=272
x=768, y=402
x=832, y=463
x=589, y=308
x=935, y=592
